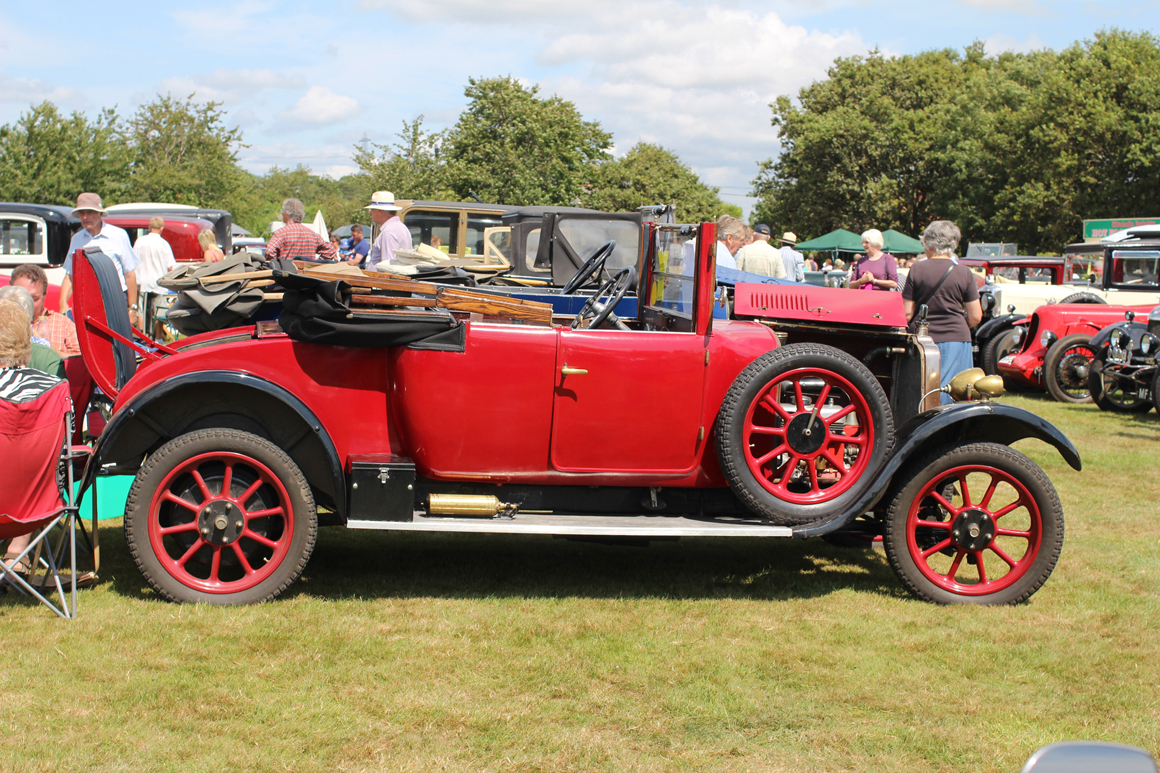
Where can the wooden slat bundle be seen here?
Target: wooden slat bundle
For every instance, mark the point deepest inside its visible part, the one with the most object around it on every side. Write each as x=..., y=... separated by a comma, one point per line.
x=458, y=299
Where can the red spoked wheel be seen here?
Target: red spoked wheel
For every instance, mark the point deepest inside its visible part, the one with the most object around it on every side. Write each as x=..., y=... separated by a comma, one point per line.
x=807, y=436
x=802, y=432
x=980, y=524
x=229, y=518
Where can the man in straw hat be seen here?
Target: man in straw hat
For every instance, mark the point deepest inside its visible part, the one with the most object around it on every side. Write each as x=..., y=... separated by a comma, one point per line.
x=112, y=240
x=393, y=235
x=794, y=261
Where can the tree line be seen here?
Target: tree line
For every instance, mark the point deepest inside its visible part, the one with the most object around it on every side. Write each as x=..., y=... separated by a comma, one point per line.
x=1017, y=147
x=1014, y=147
x=510, y=146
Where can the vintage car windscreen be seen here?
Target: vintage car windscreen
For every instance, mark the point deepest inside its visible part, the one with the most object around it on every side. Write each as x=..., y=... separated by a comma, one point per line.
x=586, y=235
x=477, y=225
x=1136, y=268
x=674, y=261
x=21, y=237
x=426, y=225
x=1080, y=267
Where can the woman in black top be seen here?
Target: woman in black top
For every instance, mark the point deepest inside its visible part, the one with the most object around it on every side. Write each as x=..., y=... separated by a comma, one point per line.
x=951, y=296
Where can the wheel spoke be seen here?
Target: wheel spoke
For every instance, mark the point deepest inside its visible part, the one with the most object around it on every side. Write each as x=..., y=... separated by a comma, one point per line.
x=1009, y=508
x=990, y=492
x=201, y=485
x=966, y=493
x=940, y=546
x=939, y=498
x=249, y=492
x=167, y=530
x=814, y=485
x=1013, y=533
x=839, y=414
x=836, y=463
x=169, y=496
x=771, y=402
x=189, y=553
x=766, y=457
x=227, y=479
x=263, y=513
x=256, y=537
x=215, y=565
x=797, y=393
x=824, y=394
x=955, y=565
x=979, y=565
x=242, y=559
x=757, y=429
x=1001, y=554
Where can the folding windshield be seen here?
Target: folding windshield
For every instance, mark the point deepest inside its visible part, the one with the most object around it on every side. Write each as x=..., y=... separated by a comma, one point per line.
x=674, y=258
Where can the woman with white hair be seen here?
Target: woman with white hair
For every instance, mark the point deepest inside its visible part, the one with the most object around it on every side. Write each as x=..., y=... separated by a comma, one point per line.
x=949, y=292
x=876, y=270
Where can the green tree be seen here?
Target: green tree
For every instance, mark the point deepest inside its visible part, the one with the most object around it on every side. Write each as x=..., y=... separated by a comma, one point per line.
x=183, y=153
x=410, y=168
x=649, y=174
x=48, y=158
x=512, y=147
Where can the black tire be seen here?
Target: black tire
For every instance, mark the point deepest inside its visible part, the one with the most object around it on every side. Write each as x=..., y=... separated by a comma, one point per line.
x=241, y=545
x=1084, y=298
x=956, y=539
x=1066, y=368
x=762, y=445
x=1110, y=393
x=1156, y=389
x=996, y=349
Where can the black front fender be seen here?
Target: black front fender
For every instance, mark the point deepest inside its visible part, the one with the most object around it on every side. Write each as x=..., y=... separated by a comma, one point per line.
x=131, y=416
x=957, y=423
x=996, y=325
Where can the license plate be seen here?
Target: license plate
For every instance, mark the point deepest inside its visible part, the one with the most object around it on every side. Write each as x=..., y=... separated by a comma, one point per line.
x=1143, y=393
x=1010, y=358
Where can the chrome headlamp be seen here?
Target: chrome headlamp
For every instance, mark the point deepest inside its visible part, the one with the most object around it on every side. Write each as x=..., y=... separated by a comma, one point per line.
x=1047, y=339
x=1149, y=344
x=1122, y=339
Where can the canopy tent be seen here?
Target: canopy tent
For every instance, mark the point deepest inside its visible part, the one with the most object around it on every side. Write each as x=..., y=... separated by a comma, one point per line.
x=840, y=240
x=237, y=230
x=896, y=242
x=319, y=225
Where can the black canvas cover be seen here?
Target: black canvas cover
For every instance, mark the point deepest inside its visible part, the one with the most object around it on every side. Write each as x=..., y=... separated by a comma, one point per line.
x=313, y=312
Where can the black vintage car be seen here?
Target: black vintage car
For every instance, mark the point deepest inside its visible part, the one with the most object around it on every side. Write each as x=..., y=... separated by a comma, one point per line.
x=1124, y=375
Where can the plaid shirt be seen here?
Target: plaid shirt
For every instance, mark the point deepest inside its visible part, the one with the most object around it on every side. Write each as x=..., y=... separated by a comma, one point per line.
x=295, y=241
x=60, y=332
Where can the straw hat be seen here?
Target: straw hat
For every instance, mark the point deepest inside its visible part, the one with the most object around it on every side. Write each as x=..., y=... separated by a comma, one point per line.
x=384, y=200
x=789, y=238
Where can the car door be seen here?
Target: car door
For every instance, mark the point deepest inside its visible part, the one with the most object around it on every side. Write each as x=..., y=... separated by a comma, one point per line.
x=628, y=401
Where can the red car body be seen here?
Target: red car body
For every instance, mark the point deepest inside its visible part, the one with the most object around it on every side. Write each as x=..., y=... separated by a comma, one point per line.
x=1025, y=367
x=670, y=424
x=180, y=232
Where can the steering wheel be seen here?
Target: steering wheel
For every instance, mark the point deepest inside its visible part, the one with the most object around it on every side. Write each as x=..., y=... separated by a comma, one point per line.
x=618, y=287
x=591, y=268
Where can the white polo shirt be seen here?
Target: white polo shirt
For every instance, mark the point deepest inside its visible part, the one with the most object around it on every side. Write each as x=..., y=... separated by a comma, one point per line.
x=113, y=241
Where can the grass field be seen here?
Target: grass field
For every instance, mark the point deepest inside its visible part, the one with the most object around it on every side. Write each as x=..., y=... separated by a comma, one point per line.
x=466, y=653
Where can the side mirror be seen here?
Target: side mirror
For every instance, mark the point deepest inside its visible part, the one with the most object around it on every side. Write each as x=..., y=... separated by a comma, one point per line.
x=1088, y=757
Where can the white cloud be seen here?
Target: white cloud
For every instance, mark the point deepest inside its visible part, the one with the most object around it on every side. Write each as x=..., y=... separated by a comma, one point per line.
x=230, y=86
x=33, y=91
x=320, y=106
x=258, y=158
x=1026, y=7
x=999, y=44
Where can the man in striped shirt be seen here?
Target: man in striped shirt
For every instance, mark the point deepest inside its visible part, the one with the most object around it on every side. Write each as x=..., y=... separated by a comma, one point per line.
x=294, y=241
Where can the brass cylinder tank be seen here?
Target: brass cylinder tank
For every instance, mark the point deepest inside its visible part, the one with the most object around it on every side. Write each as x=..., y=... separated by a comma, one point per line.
x=467, y=505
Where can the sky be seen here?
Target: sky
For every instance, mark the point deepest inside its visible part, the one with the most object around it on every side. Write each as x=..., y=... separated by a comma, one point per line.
x=305, y=82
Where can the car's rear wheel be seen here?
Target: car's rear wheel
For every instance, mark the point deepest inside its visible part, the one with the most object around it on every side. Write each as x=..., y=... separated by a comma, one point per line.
x=998, y=348
x=1113, y=392
x=803, y=432
x=1066, y=368
x=1084, y=298
x=220, y=516
x=977, y=523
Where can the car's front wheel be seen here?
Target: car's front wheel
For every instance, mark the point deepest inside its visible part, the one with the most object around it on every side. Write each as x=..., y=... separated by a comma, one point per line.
x=803, y=432
x=996, y=349
x=977, y=523
x=1114, y=392
x=1066, y=368
x=222, y=517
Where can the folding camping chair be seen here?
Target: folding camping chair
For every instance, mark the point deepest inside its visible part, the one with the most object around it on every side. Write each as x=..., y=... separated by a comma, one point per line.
x=36, y=485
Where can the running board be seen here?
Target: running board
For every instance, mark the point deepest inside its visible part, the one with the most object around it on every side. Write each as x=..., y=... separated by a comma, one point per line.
x=585, y=526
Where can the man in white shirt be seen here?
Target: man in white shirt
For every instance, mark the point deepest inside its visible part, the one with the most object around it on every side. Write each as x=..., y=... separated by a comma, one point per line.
x=393, y=235
x=793, y=261
x=730, y=239
x=112, y=240
x=759, y=257
x=155, y=254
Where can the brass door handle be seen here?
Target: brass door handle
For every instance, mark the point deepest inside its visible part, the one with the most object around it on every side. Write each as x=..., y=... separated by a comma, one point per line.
x=573, y=371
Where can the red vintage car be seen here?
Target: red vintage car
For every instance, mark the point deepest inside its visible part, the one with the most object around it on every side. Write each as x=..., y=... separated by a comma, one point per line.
x=1054, y=352
x=815, y=410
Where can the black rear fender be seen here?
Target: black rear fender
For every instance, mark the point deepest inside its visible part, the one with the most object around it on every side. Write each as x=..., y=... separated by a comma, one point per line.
x=993, y=327
x=959, y=423
x=229, y=400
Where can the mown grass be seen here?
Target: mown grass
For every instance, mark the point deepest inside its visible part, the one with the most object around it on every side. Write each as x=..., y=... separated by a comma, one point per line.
x=463, y=653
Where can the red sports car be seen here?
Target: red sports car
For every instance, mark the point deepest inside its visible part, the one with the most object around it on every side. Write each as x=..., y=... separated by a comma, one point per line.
x=378, y=403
